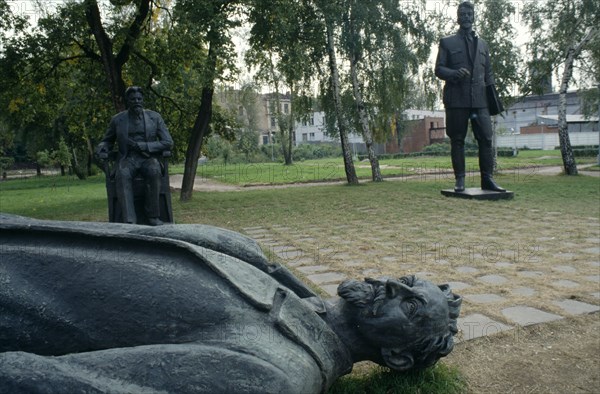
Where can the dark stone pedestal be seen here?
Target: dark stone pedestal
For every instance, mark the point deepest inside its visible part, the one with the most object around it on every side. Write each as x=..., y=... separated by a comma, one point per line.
x=478, y=194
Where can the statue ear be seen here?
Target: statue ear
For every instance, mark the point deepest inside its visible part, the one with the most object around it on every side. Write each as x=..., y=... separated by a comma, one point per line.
x=397, y=359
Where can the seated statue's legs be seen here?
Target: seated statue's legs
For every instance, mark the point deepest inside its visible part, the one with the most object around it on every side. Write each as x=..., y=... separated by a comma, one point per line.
x=124, y=181
x=152, y=174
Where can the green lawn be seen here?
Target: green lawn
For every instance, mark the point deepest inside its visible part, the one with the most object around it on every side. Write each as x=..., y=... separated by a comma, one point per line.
x=371, y=222
x=331, y=169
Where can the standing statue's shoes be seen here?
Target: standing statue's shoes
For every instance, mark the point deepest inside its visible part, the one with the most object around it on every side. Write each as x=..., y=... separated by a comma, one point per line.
x=459, y=186
x=489, y=184
x=155, y=222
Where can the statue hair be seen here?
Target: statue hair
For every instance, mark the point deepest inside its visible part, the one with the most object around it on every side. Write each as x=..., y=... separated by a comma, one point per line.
x=466, y=4
x=133, y=89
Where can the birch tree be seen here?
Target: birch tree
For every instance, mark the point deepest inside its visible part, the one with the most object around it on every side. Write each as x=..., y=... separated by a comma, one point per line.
x=564, y=36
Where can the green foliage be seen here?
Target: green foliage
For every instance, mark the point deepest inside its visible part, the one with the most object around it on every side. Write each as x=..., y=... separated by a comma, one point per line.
x=248, y=143
x=388, y=41
x=6, y=163
x=316, y=151
x=493, y=19
x=61, y=156
x=43, y=158
x=584, y=150
x=443, y=148
x=216, y=147
x=555, y=26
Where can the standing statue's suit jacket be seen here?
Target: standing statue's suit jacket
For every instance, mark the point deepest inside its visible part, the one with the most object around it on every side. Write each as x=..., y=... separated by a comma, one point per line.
x=108, y=307
x=157, y=136
x=469, y=92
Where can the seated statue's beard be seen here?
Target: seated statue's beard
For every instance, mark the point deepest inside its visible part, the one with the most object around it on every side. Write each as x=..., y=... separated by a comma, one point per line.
x=137, y=109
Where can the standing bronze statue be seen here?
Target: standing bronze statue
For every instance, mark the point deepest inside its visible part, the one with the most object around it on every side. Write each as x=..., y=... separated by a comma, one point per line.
x=141, y=137
x=463, y=61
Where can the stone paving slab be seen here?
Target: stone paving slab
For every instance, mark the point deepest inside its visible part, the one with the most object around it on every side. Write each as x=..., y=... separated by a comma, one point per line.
x=477, y=325
x=326, y=277
x=312, y=269
x=530, y=274
x=565, y=283
x=526, y=315
x=592, y=250
x=564, y=268
x=458, y=286
x=290, y=254
x=301, y=261
x=467, y=270
x=484, y=298
x=524, y=291
x=576, y=307
x=593, y=278
x=493, y=279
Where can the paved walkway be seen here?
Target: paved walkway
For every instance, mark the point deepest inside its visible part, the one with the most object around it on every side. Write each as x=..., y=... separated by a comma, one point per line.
x=317, y=267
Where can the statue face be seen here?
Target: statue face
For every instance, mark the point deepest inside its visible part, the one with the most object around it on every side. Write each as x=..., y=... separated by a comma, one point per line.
x=135, y=100
x=466, y=17
x=412, y=310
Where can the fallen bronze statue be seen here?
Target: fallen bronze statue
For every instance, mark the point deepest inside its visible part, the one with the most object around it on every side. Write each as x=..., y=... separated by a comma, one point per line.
x=110, y=307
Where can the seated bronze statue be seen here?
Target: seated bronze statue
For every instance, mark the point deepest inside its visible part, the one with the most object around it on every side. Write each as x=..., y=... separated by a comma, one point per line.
x=110, y=307
x=142, y=141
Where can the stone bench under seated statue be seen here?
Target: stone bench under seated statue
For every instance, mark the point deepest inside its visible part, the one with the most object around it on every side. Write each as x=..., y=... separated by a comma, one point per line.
x=110, y=307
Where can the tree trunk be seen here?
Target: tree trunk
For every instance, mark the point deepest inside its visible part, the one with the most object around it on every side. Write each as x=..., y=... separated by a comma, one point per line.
x=566, y=149
x=337, y=103
x=202, y=123
x=200, y=129
x=363, y=120
x=90, y=156
x=289, y=159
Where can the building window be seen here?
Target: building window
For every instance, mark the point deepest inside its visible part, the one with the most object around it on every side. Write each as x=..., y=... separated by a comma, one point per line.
x=265, y=139
x=273, y=122
x=311, y=120
x=286, y=108
x=304, y=137
x=312, y=136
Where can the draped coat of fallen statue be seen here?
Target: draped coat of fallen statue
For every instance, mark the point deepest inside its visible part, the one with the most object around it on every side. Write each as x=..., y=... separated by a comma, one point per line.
x=110, y=307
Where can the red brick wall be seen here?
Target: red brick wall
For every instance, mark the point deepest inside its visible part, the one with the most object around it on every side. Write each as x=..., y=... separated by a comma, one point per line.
x=418, y=135
x=538, y=129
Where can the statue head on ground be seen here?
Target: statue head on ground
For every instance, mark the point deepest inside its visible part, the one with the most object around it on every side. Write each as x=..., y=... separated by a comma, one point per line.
x=408, y=322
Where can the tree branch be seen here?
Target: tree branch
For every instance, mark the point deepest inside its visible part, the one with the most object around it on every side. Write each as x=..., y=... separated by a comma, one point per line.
x=88, y=51
x=133, y=32
x=154, y=71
